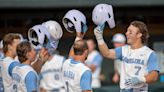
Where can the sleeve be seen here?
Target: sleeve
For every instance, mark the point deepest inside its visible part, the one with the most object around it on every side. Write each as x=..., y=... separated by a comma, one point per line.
x=86, y=80
x=31, y=82
x=11, y=67
x=97, y=60
x=153, y=63
x=118, y=52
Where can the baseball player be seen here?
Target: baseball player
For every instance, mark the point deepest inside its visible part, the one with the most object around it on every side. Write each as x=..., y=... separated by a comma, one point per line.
x=25, y=79
x=139, y=64
x=51, y=78
x=77, y=76
x=10, y=41
x=94, y=61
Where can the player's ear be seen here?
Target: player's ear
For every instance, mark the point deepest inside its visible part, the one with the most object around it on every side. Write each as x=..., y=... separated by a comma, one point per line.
x=9, y=47
x=139, y=35
x=86, y=52
x=28, y=55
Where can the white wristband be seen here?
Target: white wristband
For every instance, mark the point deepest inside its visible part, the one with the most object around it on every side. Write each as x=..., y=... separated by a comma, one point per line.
x=100, y=41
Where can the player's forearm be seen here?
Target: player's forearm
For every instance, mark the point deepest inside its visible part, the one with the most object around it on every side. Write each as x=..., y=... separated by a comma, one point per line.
x=37, y=66
x=102, y=45
x=71, y=53
x=42, y=57
x=152, y=77
x=92, y=67
x=106, y=52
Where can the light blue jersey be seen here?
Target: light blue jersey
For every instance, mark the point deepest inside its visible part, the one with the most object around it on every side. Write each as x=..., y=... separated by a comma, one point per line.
x=51, y=76
x=76, y=76
x=136, y=63
x=1, y=81
x=95, y=58
x=1, y=55
x=25, y=78
x=7, y=79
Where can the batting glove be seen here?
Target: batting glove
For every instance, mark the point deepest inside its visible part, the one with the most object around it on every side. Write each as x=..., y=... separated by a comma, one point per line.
x=98, y=32
x=135, y=81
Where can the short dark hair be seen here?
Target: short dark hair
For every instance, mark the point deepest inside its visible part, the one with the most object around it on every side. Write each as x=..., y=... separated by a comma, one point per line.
x=79, y=47
x=22, y=49
x=142, y=29
x=8, y=40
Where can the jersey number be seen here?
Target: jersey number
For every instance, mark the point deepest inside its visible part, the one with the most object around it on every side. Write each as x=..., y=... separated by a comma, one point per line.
x=138, y=69
x=56, y=76
x=67, y=88
x=15, y=87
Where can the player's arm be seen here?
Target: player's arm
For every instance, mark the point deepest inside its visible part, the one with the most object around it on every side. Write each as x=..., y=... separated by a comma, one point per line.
x=43, y=57
x=106, y=52
x=116, y=76
x=79, y=36
x=152, y=77
x=31, y=82
x=153, y=68
x=85, y=82
x=92, y=67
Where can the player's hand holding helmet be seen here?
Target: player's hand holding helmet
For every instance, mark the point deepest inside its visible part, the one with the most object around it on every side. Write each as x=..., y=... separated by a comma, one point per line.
x=101, y=14
x=43, y=55
x=98, y=31
x=74, y=20
x=46, y=35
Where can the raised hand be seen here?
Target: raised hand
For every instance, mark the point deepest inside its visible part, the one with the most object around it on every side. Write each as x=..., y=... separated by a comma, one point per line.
x=43, y=55
x=98, y=31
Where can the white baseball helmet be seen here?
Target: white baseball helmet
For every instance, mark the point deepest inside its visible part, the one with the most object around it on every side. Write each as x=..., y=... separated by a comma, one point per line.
x=103, y=13
x=74, y=20
x=119, y=38
x=54, y=29
x=38, y=36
